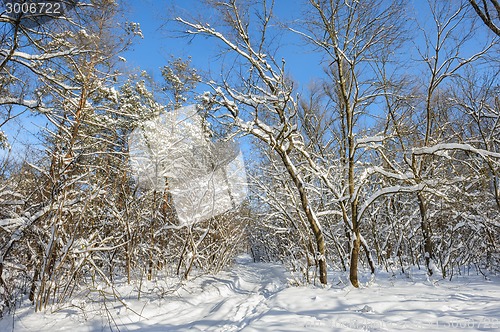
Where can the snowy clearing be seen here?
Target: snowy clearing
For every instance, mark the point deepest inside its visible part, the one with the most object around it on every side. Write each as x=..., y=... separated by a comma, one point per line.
x=257, y=297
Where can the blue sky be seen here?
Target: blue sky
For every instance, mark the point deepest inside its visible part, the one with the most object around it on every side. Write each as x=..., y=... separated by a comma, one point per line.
x=160, y=40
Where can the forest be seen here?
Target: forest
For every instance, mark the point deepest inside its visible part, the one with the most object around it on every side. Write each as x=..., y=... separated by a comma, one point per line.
x=389, y=160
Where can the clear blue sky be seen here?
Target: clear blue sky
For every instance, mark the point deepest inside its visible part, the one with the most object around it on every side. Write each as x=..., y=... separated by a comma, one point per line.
x=159, y=41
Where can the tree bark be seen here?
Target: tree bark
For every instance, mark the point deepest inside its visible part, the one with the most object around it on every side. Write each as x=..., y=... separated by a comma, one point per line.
x=485, y=16
x=353, y=270
x=310, y=215
x=426, y=232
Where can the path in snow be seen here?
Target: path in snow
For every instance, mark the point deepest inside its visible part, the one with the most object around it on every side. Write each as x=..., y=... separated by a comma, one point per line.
x=254, y=297
x=229, y=301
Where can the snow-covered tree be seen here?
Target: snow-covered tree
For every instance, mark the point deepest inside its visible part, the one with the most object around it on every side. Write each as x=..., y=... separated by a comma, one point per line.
x=261, y=104
x=344, y=166
x=63, y=229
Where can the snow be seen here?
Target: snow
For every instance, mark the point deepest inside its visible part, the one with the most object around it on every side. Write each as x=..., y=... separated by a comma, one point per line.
x=455, y=146
x=370, y=139
x=44, y=56
x=257, y=297
x=389, y=190
x=11, y=223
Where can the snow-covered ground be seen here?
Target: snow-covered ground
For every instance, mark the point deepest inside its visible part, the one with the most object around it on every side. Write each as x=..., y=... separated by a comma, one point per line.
x=256, y=297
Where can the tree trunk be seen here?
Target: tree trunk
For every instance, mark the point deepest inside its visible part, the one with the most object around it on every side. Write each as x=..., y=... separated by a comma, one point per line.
x=353, y=269
x=426, y=232
x=311, y=216
x=369, y=257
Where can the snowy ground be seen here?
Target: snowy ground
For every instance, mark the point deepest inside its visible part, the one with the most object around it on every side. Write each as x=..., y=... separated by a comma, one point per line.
x=255, y=297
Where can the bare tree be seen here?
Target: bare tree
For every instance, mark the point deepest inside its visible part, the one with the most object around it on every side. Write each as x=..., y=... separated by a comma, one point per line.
x=489, y=12
x=73, y=70
x=264, y=106
x=443, y=57
x=352, y=35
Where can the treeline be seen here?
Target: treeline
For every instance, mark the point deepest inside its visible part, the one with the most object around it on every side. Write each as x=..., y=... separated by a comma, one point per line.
x=73, y=220
x=391, y=157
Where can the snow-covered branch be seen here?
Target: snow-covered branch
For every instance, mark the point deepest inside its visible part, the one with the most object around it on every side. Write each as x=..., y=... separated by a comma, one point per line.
x=455, y=147
x=387, y=191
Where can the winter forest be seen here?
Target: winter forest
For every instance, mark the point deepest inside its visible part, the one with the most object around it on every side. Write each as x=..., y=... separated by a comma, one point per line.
x=386, y=162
